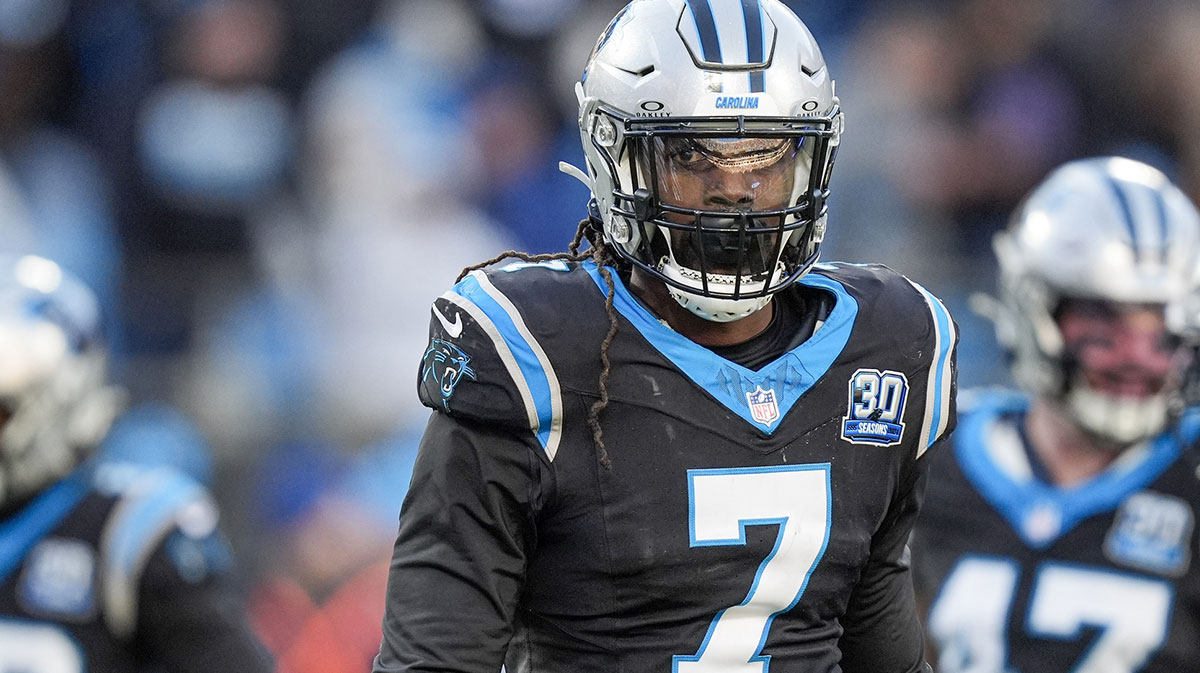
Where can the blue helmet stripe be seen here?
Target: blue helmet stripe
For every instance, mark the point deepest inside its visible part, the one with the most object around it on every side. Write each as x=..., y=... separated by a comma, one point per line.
x=1160, y=205
x=752, y=11
x=706, y=26
x=604, y=37
x=1123, y=201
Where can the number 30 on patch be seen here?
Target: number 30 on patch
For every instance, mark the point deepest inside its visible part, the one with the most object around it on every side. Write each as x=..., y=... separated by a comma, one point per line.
x=876, y=408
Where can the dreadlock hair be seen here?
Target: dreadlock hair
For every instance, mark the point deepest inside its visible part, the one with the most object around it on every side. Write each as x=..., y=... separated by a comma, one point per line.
x=599, y=252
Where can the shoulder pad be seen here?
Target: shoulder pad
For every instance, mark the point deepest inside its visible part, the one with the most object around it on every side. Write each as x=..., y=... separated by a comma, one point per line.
x=483, y=361
x=942, y=380
x=908, y=319
x=150, y=504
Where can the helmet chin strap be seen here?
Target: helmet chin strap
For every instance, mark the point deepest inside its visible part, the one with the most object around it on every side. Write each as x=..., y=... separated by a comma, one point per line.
x=716, y=309
x=1122, y=421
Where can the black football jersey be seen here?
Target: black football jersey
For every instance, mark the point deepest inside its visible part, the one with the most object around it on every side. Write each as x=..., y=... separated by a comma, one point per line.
x=120, y=568
x=1027, y=577
x=740, y=520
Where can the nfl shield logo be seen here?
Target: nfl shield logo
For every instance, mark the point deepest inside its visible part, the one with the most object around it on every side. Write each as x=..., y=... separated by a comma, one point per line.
x=763, y=407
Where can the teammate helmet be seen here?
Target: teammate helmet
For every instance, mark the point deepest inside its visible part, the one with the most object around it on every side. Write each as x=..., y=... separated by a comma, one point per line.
x=54, y=404
x=1111, y=229
x=680, y=92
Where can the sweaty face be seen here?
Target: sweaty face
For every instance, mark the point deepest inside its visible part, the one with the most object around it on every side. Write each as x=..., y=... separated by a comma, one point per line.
x=729, y=178
x=1122, y=350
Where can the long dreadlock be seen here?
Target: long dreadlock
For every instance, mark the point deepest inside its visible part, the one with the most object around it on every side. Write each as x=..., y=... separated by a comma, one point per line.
x=604, y=258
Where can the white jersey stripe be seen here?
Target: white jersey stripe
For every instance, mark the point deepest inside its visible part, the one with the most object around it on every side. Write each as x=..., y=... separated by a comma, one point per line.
x=556, y=403
x=941, y=373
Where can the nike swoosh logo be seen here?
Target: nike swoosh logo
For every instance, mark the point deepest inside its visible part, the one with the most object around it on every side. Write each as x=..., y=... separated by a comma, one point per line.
x=454, y=329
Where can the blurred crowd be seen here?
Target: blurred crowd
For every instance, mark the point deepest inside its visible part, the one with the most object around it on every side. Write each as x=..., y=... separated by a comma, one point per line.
x=268, y=194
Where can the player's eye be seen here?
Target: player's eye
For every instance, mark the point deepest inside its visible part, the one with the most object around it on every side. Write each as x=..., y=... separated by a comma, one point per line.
x=689, y=158
x=1093, y=340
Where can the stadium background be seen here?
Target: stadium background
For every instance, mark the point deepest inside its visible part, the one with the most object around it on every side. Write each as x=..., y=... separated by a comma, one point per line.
x=267, y=194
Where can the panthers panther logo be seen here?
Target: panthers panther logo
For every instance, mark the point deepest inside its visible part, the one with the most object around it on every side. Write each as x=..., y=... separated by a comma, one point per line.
x=446, y=364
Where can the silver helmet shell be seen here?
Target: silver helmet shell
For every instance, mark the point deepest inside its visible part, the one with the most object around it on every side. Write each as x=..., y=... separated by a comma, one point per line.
x=1104, y=228
x=53, y=394
x=716, y=69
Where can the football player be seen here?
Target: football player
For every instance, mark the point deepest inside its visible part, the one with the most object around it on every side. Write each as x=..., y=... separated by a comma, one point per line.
x=690, y=448
x=103, y=567
x=1059, y=532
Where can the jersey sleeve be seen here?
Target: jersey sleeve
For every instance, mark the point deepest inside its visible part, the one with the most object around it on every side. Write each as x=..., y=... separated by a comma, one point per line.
x=910, y=329
x=193, y=612
x=882, y=631
x=484, y=364
x=167, y=582
x=940, y=375
x=467, y=527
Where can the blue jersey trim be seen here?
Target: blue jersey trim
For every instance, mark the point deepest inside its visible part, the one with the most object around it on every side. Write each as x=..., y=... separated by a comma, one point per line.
x=1160, y=206
x=946, y=340
x=790, y=376
x=524, y=354
x=1017, y=501
x=22, y=530
x=145, y=523
x=706, y=27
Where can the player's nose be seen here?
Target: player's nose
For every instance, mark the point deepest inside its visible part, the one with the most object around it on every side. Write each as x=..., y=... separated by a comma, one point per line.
x=732, y=190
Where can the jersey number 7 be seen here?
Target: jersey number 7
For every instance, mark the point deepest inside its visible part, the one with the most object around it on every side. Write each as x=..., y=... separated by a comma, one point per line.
x=722, y=503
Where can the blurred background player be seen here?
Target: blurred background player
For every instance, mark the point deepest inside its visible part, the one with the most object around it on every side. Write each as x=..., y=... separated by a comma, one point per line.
x=1059, y=534
x=104, y=566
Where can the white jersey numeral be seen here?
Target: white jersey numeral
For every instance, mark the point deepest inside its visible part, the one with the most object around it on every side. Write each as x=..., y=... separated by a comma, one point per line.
x=797, y=499
x=970, y=615
x=30, y=647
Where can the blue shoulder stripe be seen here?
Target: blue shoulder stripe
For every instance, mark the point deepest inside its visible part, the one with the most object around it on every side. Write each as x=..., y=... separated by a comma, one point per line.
x=145, y=514
x=22, y=530
x=520, y=352
x=941, y=374
x=1028, y=503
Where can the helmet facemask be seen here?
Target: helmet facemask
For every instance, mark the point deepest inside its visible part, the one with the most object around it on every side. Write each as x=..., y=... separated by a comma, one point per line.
x=1048, y=362
x=55, y=400
x=1117, y=236
x=724, y=211
x=1117, y=393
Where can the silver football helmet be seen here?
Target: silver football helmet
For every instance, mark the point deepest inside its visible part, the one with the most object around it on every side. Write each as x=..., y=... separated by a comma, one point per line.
x=710, y=129
x=55, y=406
x=1111, y=229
